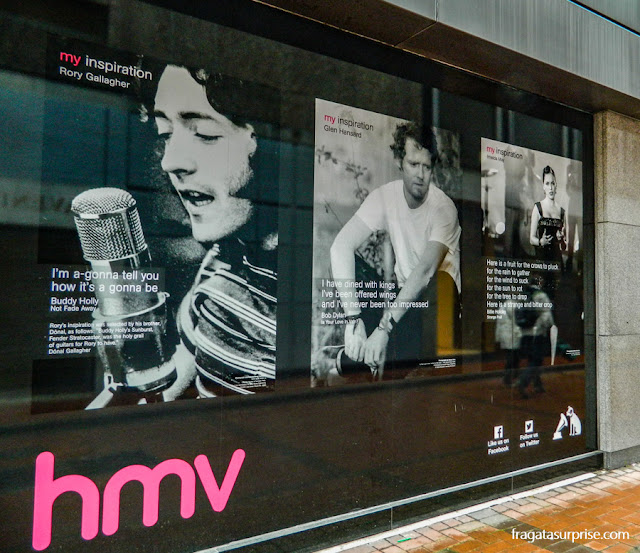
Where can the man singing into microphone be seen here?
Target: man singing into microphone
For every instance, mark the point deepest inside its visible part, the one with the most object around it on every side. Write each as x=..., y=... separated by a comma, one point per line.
x=227, y=321
x=422, y=224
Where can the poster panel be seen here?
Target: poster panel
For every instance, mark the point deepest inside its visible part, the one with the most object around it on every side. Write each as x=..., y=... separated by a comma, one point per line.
x=174, y=293
x=532, y=246
x=386, y=240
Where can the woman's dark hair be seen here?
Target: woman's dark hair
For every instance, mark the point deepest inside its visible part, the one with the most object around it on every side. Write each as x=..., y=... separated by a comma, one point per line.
x=423, y=136
x=546, y=171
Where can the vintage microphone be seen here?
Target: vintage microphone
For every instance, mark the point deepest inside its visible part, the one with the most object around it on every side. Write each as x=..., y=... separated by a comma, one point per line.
x=113, y=243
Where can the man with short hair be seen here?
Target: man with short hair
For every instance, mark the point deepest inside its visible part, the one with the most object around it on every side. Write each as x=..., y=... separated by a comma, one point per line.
x=422, y=224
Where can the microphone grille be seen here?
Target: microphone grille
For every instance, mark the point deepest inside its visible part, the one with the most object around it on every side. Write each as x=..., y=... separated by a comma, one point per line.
x=108, y=224
x=99, y=201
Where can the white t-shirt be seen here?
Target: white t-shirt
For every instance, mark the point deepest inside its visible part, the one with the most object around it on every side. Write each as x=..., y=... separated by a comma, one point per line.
x=436, y=219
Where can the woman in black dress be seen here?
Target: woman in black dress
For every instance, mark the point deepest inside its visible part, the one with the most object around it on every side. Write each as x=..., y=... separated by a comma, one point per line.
x=547, y=231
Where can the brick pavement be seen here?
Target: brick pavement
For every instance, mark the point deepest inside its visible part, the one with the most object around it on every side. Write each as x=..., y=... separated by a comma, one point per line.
x=604, y=502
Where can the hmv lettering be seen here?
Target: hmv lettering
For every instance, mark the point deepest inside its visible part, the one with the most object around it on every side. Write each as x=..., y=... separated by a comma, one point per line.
x=48, y=489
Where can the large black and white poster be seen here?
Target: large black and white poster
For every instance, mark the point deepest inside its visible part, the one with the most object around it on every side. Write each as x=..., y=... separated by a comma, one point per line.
x=532, y=246
x=174, y=293
x=386, y=241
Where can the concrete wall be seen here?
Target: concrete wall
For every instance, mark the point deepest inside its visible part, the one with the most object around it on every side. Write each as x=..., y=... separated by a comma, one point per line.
x=617, y=220
x=556, y=32
x=553, y=48
x=624, y=12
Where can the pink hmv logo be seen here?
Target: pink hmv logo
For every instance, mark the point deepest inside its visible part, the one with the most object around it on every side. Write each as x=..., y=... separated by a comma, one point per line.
x=48, y=489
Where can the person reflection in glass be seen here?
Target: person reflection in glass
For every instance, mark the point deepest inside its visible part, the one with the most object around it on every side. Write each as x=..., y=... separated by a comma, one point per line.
x=536, y=338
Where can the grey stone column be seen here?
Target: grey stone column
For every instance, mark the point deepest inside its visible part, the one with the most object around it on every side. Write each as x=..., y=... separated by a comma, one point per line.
x=617, y=256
